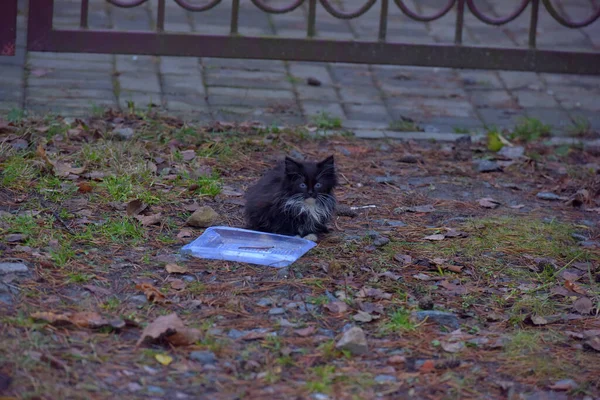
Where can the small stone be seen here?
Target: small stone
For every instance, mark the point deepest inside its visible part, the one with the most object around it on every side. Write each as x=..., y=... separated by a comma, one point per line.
x=386, y=179
x=320, y=396
x=380, y=241
x=353, y=340
x=396, y=359
x=203, y=357
x=139, y=299
x=123, y=133
x=565, y=384
x=592, y=147
x=440, y=317
x=409, y=159
x=155, y=390
x=313, y=81
x=343, y=150
x=236, y=334
x=15, y=237
x=203, y=217
x=264, y=302
x=19, y=144
x=590, y=244
x=295, y=154
x=549, y=196
x=134, y=387
x=372, y=234
x=385, y=379
x=13, y=267
x=276, y=311
x=426, y=303
x=488, y=166
x=512, y=153
x=579, y=237
x=394, y=223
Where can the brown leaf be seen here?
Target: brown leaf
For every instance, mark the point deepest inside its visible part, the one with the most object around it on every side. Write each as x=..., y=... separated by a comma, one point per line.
x=574, y=287
x=362, y=316
x=583, y=305
x=305, y=331
x=375, y=293
x=564, y=385
x=427, y=366
x=134, y=207
x=435, y=237
x=455, y=268
x=452, y=347
x=518, y=206
x=63, y=170
x=593, y=343
x=169, y=328
x=403, y=259
x=451, y=232
x=177, y=284
x=391, y=275
x=371, y=308
x=176, y=269
x=152, y=293
x=590, y=333
x=97, y=290
x=86, y=319
x=422, y=277
x=84, y=187
x=336, y=307
x=254, y=335
x=184, y=233
x=438, y=261
x=148, y=220
x=488, y=202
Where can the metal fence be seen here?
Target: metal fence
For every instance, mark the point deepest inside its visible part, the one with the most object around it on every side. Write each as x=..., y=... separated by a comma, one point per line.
x=43, y=37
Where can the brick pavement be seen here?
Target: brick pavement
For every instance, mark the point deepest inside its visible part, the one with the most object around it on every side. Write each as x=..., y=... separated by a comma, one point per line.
x=366, y=98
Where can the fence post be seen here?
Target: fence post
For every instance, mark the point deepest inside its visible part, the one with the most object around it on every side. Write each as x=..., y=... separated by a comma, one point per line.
x=8, y=27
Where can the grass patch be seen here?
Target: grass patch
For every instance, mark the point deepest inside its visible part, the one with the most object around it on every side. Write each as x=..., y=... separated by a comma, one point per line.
x=530, y=129
x=399, y=321
x=322, y=377
x=405, y=125
x=17, y=172
x=581, y=127
x=324, y=120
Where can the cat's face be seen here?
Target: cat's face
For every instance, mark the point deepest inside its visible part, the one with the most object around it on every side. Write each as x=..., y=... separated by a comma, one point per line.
x=310, y=179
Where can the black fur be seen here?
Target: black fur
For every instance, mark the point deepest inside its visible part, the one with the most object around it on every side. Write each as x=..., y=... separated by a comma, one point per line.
x=277, y=202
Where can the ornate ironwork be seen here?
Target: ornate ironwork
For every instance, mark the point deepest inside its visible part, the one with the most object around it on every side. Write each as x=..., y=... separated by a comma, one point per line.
x=42, y=37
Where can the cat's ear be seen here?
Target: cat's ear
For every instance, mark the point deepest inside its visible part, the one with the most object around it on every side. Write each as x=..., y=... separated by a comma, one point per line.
x=326, y=163
x=292, y=166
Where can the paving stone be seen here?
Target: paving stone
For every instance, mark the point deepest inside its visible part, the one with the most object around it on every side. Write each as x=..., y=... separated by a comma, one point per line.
x=65, y=92
x=179, y=65
x=423, y=91
x=521, y=80
x=141, y=100
x=248, y=79
x=351, y=76
x=310, y=70
x=492, y=99
x=249, y=65
x=139, y=82
x=312, y=108
x=188, y=85
x=367, y=112
x=559, y=119
x=285, y=95
x=480, y=80
x=369, y=134
x=530, y=98
x=360, y=95
x=500, y=118
x=97, y=83
x=135, y=63
x=80, y=64
x=306, y=92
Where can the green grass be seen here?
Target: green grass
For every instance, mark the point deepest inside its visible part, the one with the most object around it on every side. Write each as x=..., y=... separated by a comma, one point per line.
x=17, y=172
x=530, y=129
x=399, y=321
x=322, y=378
x=62, y=255
x=404, y=126
x=581, y=127
x=324, y=120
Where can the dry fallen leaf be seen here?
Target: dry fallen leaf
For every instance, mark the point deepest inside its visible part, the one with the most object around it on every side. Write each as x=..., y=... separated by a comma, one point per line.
x=518, y=206
x=452, y=347
x=152, y=293
x=177, y=284
x=427, y=366
x=593, y=343
x=362, y=316
x=86, y=319
x=148, y=220
x=184, y=233
x=435, y=237
x=537, y=320
x=336, y=307
x=134, y=207
x=372, y=292
x=403, y=259
x=574, y=287
x=304, y=332
x=84, y=187
x=488, y=202
x=164, y=359
x=583, y=305
x=176, y=269
x=171, y=329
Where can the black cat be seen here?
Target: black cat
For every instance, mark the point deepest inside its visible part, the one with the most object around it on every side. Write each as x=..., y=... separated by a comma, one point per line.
x=295, y=199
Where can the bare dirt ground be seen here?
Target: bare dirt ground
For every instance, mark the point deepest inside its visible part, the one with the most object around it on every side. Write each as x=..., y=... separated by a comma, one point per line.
x=455, y=283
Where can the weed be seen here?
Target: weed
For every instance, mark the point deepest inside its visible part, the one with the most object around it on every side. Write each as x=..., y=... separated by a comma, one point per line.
x=122, y=229
x=111, y=304
x=458, y=129
x=17, y=172
x=325, y=121
x=119, y=188
x=399, y=321
x=208, y=185
x=16, y=115
x=405, y=125
x=78, y=277
x=530, y=129
x=581, y=128
x=195, y=288
x=62, y=255
x=54, y=189
x=322, y=379
x=318, y=300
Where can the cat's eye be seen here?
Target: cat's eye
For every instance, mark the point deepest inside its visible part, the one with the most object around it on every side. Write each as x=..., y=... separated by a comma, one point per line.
x=303, y=186
x=318, y=185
